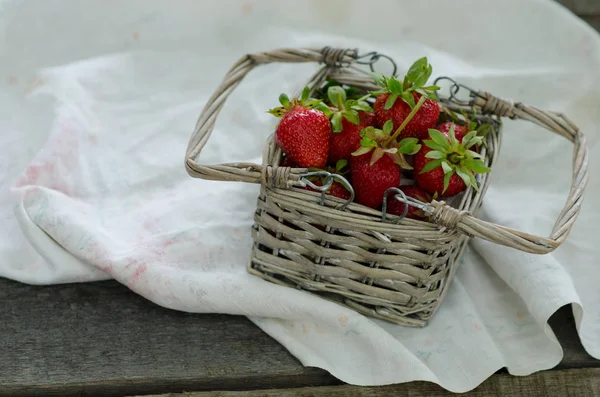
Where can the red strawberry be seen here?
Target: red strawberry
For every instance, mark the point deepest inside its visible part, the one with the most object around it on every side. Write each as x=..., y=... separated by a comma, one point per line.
x=348, y=140
x=348, y=119
x=287, y=162
x=398, y=100
x=459, y=130
x=304, y=132
x=444, y=166
x=397, y=207
x=336, y=190
x=375, y=167
x=425, y=118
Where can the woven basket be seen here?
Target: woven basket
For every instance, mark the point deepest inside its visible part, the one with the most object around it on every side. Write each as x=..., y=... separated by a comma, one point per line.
x=386, y=267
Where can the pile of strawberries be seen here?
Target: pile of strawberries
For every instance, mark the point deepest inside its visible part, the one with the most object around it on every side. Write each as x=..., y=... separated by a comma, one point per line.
x=394, y=137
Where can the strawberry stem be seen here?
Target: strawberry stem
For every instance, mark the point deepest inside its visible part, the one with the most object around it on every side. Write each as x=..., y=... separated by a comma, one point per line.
x=410, y=117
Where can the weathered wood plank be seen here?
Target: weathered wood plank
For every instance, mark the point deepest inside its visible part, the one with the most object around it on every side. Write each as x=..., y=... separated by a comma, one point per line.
x=565, y=383
x=102, y=339
x=582, y=7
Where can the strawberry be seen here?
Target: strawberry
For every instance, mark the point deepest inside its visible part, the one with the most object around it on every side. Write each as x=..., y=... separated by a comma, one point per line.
x=397, y=207
x=397, y=100
x=287, y=162
x=375, y=166
x=337, y=189
x=444, y=166
x=459, y=130
x=348, y=118
x=304, y=132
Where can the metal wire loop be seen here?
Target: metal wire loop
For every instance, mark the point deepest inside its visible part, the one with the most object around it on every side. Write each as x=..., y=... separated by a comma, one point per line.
x=370, y=58
x=327, y=183
x=400, y=196
x=455, y=88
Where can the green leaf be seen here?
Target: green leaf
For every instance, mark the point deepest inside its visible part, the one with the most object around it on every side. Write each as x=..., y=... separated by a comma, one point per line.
x=341, y=164
x=337, y=96
x=473, y=141
x=362, y=106
x=464, y=176
x=415, y=149
x=352, y=116
x=361, y=151
x=423, y=77
x=435, y=154
x=394, y=86
x=431, y=165
x=438, y=137
x=407, y=141
x=324, y=108
x=407, y=148
x=284, y=100
x=447, y=180
x=390, y=101
x=431, y=88
x=388, y=126
x=473, y=154
x=473, y=181
x=277, y=112
x=379, y=79
x=368, y=142
x=416, y=69
x=434, y=146
x=305, y=94
x=477, y=166
x=336, y=122
x=468, y=137
x=446, y=167
x=408, y=98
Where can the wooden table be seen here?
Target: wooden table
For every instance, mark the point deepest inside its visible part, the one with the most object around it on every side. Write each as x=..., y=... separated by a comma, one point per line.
x=103, y=340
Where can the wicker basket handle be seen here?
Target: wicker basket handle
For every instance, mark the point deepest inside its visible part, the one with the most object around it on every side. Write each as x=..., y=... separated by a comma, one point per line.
x=249, y=172
x=555, y=122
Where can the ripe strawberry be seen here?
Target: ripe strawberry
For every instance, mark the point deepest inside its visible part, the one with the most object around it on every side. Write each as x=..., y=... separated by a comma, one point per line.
x=459, y=130
x=348, y=118
x=287, y=162
x=304, y=132
x=375, y=167
x=399, y=99
x=336, y=189
x=397, y=207
x=444, y=166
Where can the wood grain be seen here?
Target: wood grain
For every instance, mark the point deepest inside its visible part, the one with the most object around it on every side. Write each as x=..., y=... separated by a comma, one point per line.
x=102, y=339
x=565, y=383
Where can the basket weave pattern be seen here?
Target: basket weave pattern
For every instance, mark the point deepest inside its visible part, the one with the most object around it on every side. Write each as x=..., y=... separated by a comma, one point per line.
x=395, y=269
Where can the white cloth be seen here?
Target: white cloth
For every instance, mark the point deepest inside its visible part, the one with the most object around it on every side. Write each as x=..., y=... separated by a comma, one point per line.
x=98, y=100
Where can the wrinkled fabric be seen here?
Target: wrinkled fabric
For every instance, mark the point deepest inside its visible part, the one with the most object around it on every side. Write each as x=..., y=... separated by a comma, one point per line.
x=98, y=101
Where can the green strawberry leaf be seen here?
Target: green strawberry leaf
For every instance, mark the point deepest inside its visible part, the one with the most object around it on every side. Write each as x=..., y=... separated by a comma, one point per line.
x=435, y=154
x=473, y=141
x=394, y=86
x=438, y=137
x=337, y=96
x=305, y=94
x=368, y=142
x=464, y=175
x=352, y=116
x=473, y=154
x=277, y=112
x=431, y=166
x=379, y=79
x=468, y=137
x=408, y=98
x=447, y=180
x=388, y=126
x=341, y=164
x=336, y=122
x=473, y=181
x=446, y=167
x=416, y=69
x=423, y=77
x=409, y=146
x=390, y=101
x=431, y=88
x=323, y=108
x=362, y=150
x=477, y=166
x=434, y=146
x=284, y=100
